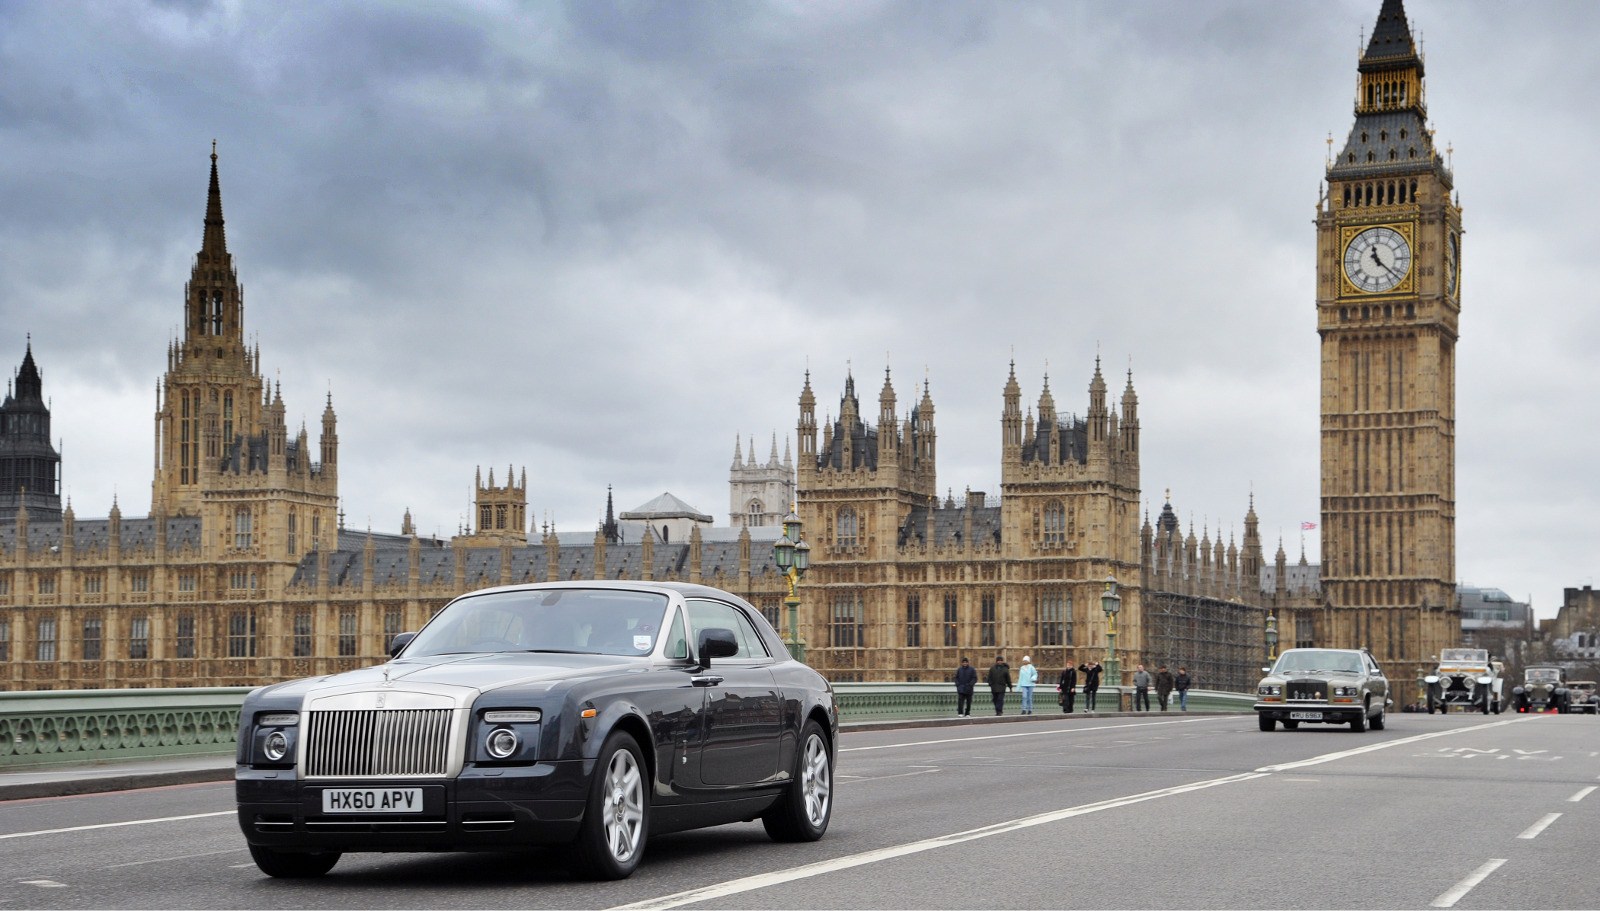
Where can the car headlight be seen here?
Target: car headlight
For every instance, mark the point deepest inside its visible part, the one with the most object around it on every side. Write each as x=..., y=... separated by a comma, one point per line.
x=275, y=747
x=502, y=743
x=1345, y=690
x=1469, y=683
x=1269, y=689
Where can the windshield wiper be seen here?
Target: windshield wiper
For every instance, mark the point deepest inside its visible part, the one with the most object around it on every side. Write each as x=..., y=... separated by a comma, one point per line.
x=559, y=651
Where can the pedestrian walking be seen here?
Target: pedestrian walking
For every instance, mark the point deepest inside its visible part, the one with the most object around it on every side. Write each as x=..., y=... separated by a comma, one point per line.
x=1163, y=685
x=1066, y=684
x=999, y=683
x=1141, y=689
x=1027, y=678
x=1091, y=684
x=1181, y=682
x=966, y=682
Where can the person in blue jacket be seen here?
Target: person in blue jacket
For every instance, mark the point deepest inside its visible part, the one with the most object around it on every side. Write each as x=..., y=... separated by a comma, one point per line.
x=1027, y=679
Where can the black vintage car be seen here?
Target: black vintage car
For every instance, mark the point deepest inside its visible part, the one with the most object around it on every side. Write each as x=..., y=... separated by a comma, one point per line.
x=586, y=715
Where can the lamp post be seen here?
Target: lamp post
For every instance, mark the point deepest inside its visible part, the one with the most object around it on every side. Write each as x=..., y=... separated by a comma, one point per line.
x=793, y=556
x=1272, y=638
x=1111, y=602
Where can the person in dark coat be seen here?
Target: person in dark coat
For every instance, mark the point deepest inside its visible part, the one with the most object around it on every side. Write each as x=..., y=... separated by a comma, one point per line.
x=999, y=682
x=1182, y=682
x=966, y=682
x=1163, y=685
x=1091, y=683
x=1067, y=683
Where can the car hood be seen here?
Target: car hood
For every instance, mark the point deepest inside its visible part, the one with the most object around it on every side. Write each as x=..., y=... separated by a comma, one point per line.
x=481, y=672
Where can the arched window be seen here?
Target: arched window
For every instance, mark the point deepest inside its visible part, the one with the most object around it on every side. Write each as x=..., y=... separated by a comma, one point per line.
x=754, y=512
x=845, y=530
x=241, y=528
x=1055, y=522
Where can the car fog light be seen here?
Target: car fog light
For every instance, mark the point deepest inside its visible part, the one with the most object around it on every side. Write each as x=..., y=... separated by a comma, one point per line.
x=501, y=743
x=276, y=746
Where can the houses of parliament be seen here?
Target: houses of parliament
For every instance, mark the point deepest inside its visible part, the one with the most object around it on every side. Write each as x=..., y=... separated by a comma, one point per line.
x=243, y=573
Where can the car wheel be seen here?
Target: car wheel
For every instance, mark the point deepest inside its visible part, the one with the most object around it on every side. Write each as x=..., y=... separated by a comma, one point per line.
x=802, y=813
x=1359, y=723
x=1380, y=720
x=617, y=816
x=1430, y=706
x=1265, y=723
x=1291, y=725
x=291, y=864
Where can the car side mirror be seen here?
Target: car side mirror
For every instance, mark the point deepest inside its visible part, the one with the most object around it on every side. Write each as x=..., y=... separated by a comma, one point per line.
x=716, y=642
x=400, y=641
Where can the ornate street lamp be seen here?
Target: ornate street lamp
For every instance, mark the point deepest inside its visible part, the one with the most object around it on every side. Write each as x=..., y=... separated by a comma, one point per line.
x=1272, y=638
x=1110, y=602
x=793, y=556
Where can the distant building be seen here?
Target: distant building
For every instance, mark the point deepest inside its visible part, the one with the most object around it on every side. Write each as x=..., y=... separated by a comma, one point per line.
x=30, y=467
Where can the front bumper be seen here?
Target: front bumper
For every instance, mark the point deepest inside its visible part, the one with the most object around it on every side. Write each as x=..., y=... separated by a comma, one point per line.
x=1330, y=714
x=482, y=809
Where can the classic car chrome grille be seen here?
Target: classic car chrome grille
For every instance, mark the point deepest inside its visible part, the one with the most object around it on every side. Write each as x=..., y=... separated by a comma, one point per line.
x=366, y=744
x=1310, y=690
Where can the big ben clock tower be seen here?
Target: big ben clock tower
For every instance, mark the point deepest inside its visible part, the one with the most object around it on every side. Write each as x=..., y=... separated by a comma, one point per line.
x=1388, y=311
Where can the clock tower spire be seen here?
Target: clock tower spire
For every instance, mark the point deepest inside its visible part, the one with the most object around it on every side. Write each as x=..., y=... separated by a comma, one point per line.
x=1388, y=309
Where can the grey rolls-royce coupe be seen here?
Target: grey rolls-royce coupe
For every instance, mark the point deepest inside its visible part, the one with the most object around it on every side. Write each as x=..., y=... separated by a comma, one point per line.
x=586, y=715
x=1323, y=686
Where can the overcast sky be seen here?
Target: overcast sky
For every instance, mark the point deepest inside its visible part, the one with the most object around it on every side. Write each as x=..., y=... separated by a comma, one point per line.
x=602, y=241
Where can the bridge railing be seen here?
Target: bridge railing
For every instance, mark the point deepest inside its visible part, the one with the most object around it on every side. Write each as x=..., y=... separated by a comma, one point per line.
x=87, y=726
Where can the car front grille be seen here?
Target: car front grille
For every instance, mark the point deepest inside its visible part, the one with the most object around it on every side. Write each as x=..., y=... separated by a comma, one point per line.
x=371, y=744
x=1307, y=690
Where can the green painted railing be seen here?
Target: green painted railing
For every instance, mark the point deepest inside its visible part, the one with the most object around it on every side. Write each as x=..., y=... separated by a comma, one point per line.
x=903, y=701
x=86, y=726
x=78, y=726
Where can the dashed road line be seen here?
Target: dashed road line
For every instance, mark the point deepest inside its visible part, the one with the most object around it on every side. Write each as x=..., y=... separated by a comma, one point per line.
x=1449, y=898
x=1534, y=830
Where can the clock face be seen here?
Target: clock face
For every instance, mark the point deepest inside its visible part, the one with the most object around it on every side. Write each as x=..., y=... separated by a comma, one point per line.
x=1452, y=266
x=1377, y=260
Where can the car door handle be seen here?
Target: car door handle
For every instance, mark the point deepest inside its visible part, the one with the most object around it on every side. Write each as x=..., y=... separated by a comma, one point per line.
x=705, y=680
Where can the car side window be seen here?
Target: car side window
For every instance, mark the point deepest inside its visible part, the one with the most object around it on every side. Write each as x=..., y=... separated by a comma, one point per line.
x=677, y=644
x=708, y=614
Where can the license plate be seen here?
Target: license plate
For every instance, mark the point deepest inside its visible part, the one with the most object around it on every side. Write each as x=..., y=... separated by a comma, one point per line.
x=1305, y=716
x=372, y=800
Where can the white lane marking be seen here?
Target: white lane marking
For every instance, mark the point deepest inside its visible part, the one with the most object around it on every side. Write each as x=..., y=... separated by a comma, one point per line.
x=1449, y=898
x=162, y=860
x=1582, y=794
x=765, y=880
x=114, y=825
x=857, y=779
x=43, y=883
x=1051, y=732
x=1534, y=830
x=1342, y=754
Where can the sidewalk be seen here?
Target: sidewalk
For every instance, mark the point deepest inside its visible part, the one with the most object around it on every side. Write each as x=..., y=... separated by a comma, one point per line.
x=87, y=778
x=70, y=778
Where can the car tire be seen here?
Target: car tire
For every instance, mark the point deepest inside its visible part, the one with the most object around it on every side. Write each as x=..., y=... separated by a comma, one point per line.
x=616, y=818
x=1380, y=720
x=1291, y=725
x=1359, y=723
x=1266, y=724
x=803, y=812
x=1430, y=706
x=292, y=864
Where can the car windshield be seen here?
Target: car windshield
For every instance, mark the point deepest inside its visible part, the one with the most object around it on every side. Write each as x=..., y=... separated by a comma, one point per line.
x=1543, y=675
x=1308, y=661
x=574, y=620
x=1464, y=656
